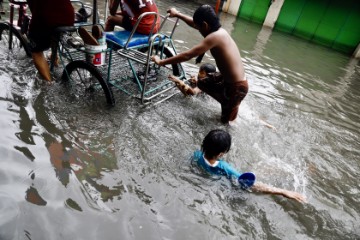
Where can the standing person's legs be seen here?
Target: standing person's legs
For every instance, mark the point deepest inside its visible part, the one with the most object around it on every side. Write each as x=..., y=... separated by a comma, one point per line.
x=234, y=94
x=229, y=113
x=40, y=40
x=212, y=85
x=41, y=65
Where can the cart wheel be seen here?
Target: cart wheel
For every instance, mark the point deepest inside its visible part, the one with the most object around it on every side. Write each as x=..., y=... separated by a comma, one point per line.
x=167, y=53
x=86, y=80
x=18, y=46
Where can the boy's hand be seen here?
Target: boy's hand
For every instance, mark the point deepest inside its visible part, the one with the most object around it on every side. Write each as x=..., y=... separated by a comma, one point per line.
x=172, y=12
x=180, y=84
x=156, y=59
x=193, y=80
x=294, y=195
x=174, y=79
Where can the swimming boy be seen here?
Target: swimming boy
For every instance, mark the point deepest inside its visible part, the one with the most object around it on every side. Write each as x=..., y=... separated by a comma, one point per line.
x=205, y=71
x=215, y=145
x=129, y=14
x=229, y=87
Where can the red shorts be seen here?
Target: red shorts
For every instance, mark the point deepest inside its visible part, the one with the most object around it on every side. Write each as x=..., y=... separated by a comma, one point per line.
x=229, y=95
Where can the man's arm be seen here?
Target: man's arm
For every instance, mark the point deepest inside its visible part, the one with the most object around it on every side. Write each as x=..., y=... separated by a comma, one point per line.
x=188, y=20
x=260, y=187
x=205, y=45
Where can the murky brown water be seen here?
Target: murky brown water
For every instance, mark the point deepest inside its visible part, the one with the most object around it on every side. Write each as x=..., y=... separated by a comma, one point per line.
x=72, y=171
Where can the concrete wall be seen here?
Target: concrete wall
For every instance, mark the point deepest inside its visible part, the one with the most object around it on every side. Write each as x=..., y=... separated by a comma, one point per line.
x=273, y=13
x=356, y=53
x=232, y=7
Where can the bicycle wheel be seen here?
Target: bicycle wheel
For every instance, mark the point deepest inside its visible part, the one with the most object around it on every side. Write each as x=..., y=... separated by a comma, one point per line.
x=18, y=47
x=167, y=53
x=86, y=81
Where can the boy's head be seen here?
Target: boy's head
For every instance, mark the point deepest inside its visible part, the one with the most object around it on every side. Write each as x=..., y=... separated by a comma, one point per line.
x=215, y=142
x=206, y=20
x=205, y=69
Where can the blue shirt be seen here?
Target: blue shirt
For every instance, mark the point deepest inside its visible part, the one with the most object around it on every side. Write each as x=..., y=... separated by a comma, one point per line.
x=222, y=167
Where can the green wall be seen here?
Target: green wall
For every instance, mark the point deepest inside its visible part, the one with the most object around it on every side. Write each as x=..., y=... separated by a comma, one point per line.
x=254, y=10
x=332, y=23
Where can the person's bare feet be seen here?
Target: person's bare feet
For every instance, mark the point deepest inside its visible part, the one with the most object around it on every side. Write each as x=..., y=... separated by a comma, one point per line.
x=268, y=125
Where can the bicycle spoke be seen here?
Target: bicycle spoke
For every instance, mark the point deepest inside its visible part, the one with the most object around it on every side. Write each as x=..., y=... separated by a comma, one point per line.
x=16, y=49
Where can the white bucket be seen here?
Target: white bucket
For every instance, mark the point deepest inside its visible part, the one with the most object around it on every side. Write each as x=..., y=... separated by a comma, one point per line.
x=95, y=54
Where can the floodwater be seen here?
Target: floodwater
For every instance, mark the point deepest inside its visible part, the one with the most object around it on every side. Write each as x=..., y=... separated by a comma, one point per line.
x=72, y=171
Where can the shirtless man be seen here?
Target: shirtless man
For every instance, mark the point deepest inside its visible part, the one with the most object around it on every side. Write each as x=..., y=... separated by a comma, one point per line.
x=229, y=87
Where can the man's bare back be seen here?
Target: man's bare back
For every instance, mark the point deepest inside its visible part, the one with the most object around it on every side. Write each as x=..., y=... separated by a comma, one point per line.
x=227, y=56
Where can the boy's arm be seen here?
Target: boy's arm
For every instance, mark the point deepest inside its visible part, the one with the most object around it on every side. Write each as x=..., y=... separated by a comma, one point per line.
x=184, y=88
x=188, y=20
x=195, y=91
x=229, y=170
x=261, y=187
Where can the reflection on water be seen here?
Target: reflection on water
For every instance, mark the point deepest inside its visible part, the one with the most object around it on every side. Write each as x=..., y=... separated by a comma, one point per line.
x=72, y=171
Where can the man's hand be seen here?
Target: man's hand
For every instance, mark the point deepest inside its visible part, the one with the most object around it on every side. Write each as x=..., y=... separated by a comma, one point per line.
x=156, y=59
x=172, y=12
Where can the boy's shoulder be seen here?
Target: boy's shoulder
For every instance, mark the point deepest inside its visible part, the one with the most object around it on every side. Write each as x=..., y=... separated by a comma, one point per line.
x=197, y=155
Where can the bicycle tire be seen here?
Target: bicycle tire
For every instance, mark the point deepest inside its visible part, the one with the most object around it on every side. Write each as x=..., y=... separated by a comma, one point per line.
x=85, y=73
x=19, y=43
x=167, y=52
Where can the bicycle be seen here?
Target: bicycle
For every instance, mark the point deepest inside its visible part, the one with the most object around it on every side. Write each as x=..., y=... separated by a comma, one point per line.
x=14, y=39
x=13, y=33
x=131, y=56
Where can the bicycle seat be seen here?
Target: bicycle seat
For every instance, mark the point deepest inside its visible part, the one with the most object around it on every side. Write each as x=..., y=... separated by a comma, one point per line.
x=121, y=37
x=83, y=14
x=65, y=29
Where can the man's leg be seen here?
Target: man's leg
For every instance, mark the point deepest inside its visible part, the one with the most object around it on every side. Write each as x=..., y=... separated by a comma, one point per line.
x=41, y=65
x=234, y=95
x=113, y=21
x=229, y=113
x=212, y=87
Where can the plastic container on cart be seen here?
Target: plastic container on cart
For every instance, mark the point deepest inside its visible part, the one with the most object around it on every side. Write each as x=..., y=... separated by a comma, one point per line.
x=96, y=54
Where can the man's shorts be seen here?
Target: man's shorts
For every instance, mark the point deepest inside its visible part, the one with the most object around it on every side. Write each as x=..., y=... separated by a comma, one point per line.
x=126, y=24
x=40, y=38
x=229, y=95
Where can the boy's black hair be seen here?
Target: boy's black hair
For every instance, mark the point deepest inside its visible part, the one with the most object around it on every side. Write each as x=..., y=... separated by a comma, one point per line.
x=206, y=13
x=215, y=142
x=208, y=68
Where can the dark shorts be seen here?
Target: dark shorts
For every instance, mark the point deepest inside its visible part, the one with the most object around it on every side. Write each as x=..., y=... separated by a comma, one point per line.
x=40, y=38
x=229, y=95
x=126, y=23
